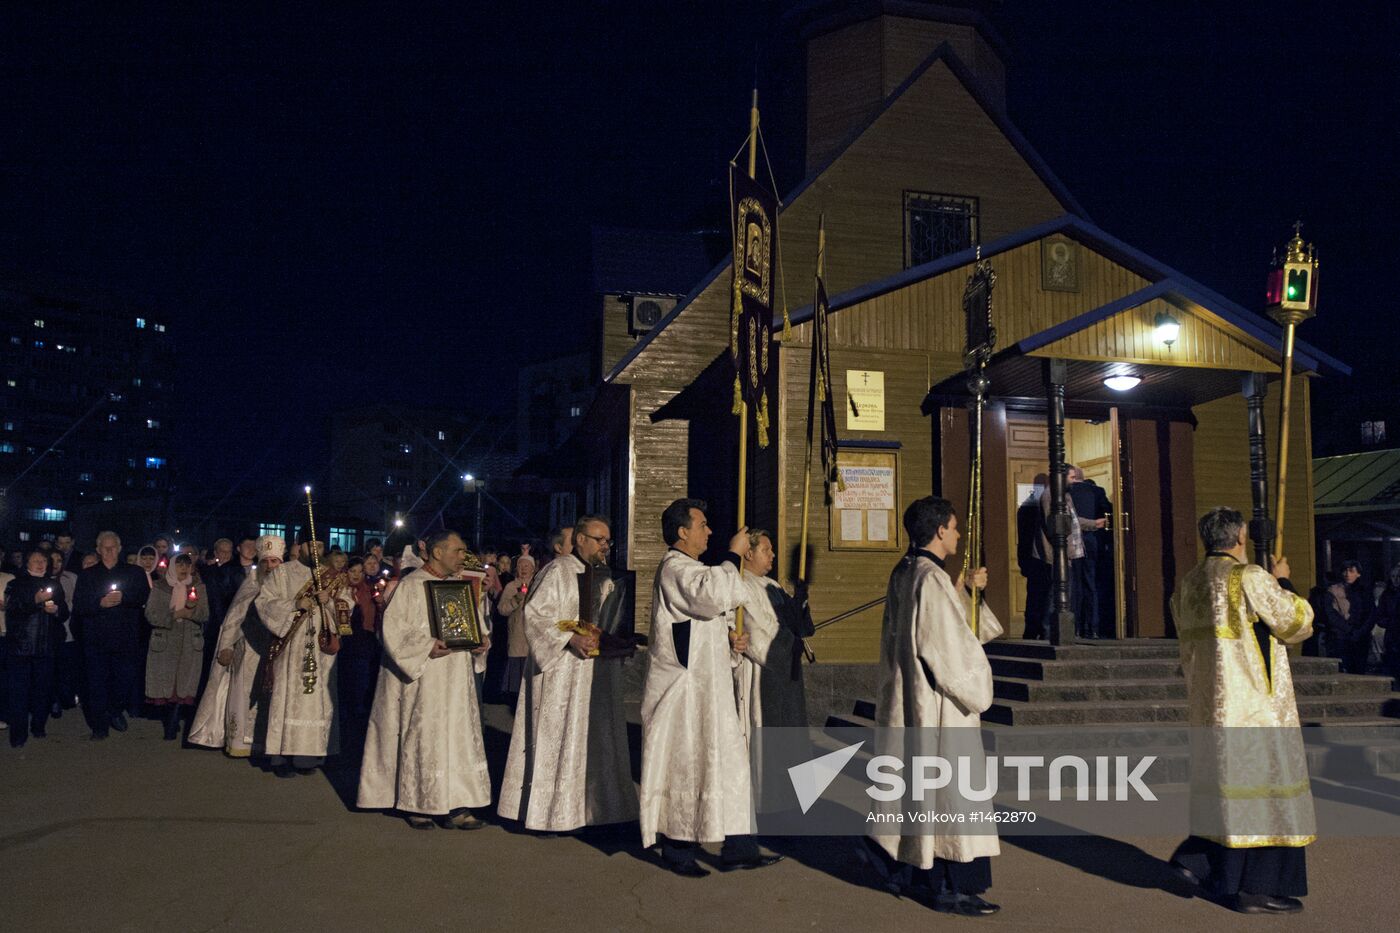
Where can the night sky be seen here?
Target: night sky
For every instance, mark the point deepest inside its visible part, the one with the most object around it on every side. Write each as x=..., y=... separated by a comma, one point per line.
x=335, y=207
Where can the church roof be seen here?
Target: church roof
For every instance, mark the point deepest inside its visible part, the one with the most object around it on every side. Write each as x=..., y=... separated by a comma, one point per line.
x=1357, y=482
x=943, y=53
x=1165, y=281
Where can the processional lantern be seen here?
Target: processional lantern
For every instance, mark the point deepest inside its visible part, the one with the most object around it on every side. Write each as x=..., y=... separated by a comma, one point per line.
x=1292, y=299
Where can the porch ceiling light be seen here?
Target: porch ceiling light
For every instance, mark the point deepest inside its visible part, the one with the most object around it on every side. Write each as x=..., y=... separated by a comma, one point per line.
x=1167, y=329
x=1122, y=383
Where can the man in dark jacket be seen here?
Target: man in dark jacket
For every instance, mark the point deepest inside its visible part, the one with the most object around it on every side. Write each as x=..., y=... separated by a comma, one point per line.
x=1091, y=505
x=1349, y=609
x=110, y=600
x=35, y=610
x=1029, y=528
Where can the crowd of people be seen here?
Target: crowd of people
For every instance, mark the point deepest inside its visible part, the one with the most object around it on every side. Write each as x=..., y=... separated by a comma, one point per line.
x=291, y=652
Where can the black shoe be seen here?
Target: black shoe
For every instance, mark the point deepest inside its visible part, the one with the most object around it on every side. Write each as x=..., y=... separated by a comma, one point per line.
x=119, y=722
x=97, y=737
x=1185, y=874
x=283, y=771
x=305, y=770
x=753, y=861
x=420, y=822
x=461, y=821
x=964, y=905
x=16, y=741
x=57, y=711
x=1283, y=905
x=39, y=732
x=687, y=869
x=1247, y=903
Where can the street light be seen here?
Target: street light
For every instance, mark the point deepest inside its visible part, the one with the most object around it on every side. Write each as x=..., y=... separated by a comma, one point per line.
x=470, y=484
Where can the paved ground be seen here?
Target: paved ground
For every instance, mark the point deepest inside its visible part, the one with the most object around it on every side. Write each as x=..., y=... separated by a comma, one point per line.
x=137, y=834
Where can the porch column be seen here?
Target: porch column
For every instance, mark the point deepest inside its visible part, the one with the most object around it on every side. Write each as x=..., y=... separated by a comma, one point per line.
x=1261, y=529
x=1061, y=619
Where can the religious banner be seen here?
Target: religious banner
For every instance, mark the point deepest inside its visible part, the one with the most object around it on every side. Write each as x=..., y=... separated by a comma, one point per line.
x=754, y=211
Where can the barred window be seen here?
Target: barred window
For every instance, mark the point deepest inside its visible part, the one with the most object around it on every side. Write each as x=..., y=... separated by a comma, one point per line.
x=937, y=225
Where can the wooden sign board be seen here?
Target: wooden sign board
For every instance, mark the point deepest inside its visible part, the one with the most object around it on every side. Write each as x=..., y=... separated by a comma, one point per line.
x=864, y=516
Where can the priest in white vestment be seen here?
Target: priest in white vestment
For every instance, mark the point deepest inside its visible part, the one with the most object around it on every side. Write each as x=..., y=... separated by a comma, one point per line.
x=229, y=708
x=768, y=678
x=1251, y=797
x=424, y=754
x=934, y=675
x=695, y=763
x=301, y=726
x=569, y=765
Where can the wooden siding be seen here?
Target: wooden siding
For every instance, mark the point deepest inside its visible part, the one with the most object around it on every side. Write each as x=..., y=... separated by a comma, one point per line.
x=842, y=580
x=1204, y=341
x=1222, y=468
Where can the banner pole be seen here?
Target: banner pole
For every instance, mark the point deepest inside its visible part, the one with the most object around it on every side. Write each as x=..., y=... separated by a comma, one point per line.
x=811, y=408
x=743, y=406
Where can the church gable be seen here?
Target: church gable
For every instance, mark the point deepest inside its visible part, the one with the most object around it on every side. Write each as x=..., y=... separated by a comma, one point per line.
x=937, y=138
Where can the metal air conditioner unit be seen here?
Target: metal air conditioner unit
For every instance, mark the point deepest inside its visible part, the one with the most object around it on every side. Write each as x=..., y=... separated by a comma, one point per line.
x=646, y=311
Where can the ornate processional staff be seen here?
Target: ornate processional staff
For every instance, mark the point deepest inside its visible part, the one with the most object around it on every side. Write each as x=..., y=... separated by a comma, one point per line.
x=981, y=340
x=1292, y=296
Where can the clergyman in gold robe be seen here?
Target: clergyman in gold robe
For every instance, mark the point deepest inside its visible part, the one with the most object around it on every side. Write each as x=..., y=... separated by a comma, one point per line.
x=1251, y=804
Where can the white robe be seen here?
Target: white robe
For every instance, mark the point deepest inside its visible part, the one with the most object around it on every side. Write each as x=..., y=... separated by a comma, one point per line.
x=764, y=685
x=298, y=723
x=424, y=751
x=926, y=632
x=228, y=710
x=569, y=764
x=695, y=764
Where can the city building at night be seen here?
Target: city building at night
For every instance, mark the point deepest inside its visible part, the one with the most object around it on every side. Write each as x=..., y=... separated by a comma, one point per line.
x=87, y=434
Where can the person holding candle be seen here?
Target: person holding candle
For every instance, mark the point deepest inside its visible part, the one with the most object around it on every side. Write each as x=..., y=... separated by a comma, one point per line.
x=69, y=660
x=35, y=610
x=177, y=610
x=109, y=601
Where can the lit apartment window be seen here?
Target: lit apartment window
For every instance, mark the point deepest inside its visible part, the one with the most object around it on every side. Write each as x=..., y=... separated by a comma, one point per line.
x=46, y=515
x=442, y=435
x=136, y=382
x=140, y=323
x=111, y=419
x=160, y=328
x=10, y=383
x=152, y=423
x=108, y=498
x=9, y=425
x=38, y=323
x=271, y=528
x=6, y=447
x=406, y=448
x=575, y=411
x=1373, y=432
x=84, y=477
x=155, y=463
x=17, y=342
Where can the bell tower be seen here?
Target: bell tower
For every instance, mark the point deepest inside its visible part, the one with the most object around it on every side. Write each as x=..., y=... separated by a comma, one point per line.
x=858, y=53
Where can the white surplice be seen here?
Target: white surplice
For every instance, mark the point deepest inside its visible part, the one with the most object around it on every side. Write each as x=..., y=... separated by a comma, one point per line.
x=569, y=764
x=424, y=751
x=768, y=678
x=934, y=674
x=695, y=763
x=299, y=723
x=229, y=707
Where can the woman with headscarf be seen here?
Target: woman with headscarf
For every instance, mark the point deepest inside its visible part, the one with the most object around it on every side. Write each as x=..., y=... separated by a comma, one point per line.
x=177, y=610
x=511, y=607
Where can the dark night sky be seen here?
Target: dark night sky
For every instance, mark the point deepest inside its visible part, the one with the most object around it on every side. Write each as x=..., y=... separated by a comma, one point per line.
x=336, y=206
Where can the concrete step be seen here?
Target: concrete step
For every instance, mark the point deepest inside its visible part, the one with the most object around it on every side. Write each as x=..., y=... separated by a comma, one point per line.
x=1098, y=691
x=1325, y=709
x=1137, y=648
x=1133, y=668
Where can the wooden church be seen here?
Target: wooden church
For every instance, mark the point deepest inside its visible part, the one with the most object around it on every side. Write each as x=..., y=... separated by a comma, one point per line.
x=889, y=86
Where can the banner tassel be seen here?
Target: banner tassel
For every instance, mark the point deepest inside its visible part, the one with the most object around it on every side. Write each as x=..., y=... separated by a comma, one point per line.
x=763, y=421
x=738, y=398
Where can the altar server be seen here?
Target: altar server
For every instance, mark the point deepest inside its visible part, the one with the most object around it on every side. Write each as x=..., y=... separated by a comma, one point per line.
x=569, y=764
x=229, y=707
x=695, y=765
x=424, y=754
x=1251, y=801
x=934, y=674
x=301, y=722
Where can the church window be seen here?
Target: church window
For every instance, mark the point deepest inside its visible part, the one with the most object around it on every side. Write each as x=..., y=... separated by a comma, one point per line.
x=938, y=225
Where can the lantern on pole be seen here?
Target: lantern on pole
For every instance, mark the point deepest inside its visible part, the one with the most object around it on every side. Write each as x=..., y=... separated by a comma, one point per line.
x=1292, y=299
